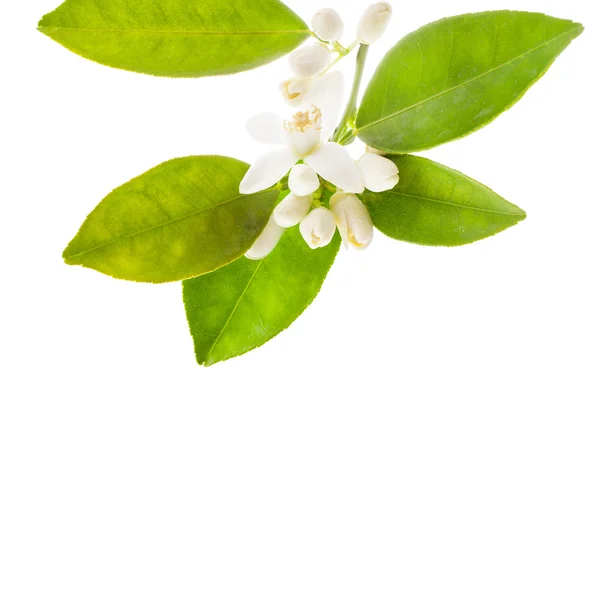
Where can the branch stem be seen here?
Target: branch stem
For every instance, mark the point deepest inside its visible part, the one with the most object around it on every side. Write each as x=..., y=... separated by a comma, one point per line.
x=342, y=53
x=349, y=116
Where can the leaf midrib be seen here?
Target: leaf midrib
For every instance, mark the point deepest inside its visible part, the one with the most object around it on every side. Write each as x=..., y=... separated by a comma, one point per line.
x=442, y=93
x=489, y=210
x=234, y=310
x=158, y=226
x=169, y=31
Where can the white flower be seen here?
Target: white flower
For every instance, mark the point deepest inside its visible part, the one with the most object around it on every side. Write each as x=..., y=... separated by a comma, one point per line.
x=318, y=227
x=374, y=22
x=266, y=241
x=302, y=138
x=303, y=181
x=310, y=60
x=291, y=210
x=353, y=220
x=379, y=173
x=328, y=25
x=294, y=90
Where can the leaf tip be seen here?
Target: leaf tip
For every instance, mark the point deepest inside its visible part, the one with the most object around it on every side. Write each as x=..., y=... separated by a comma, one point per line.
x=43, y=23
x=68, y=255
x=207, y=360
x=521, y=214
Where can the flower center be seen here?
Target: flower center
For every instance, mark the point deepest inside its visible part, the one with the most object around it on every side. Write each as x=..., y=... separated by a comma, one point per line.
x=304, y=130
x=303, y=120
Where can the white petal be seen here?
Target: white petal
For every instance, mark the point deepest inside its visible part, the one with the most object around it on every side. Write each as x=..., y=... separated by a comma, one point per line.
x=318, y=228
x=327, y=93
x=353, y=220
x=267, y=170
x=267, y=128
x=333, y=162
x=304, y=140
x=266, y=241
x=379, y=173
x=303, y=181
x=309, y=60
x=291, y=210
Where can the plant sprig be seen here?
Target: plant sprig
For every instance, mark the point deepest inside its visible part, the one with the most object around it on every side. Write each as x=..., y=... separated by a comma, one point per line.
x=253, y=244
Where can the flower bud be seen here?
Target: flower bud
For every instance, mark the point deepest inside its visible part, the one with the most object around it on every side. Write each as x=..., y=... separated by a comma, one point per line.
x=379, y=173
x=328, y=25
x=294, y=90
x=353, y=220
x=303, y=181
x=310, y=60
x=318, y=228
x=266, y=241
x=291, y=210
x=374, y=22
x=371, y=150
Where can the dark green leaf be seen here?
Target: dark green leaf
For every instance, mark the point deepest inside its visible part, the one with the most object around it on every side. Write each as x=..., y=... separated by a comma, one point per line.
x=437, y=206
x=177, y=38
x=454, y=76
x=240, y=307
x=181, y=219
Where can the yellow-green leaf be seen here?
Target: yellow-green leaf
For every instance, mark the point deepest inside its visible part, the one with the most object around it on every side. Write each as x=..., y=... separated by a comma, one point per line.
x=177, y=38
x=434, y=205
x=240, y=307
x=179, y=220
x=454, y=76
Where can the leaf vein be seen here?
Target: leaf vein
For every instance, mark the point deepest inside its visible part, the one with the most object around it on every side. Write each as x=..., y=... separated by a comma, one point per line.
x=234, y=310
x=175, y=32
x=456, y=204
x=464, y=83
x=157, y=226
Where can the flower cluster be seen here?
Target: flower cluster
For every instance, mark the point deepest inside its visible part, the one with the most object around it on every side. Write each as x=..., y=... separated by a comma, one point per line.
x=309, y=158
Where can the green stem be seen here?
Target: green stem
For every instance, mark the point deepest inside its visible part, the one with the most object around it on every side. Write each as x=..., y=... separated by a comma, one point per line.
x=351, y=109
x=342, y=53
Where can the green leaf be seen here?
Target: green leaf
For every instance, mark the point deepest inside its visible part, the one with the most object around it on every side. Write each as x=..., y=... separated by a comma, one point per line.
x=454, y=76
x=177, y=38
x=181, y=219
x=437, y=206
x=240, y=307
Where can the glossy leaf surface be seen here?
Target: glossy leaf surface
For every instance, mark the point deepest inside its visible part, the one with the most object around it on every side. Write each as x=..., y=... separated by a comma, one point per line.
x=177, y=38
x=434, y=205
x=240, y=307
x=454, y=76
x=179, y=220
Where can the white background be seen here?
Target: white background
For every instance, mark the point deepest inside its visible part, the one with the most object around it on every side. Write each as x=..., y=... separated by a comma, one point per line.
x=428, y=429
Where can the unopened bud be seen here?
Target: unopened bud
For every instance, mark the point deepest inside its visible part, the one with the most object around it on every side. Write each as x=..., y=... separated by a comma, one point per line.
x=318, y=228
x=291, y=210
x=374, y=22
x=294, y=90
x=353, y=220
x=328, y=25
x=310, y=60
x=266, y=241
x=303, y=181
x=371, y=150
x=379, y=173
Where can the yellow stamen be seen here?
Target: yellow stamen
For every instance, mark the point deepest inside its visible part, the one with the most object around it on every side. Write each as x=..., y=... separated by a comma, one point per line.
x=303, y=120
